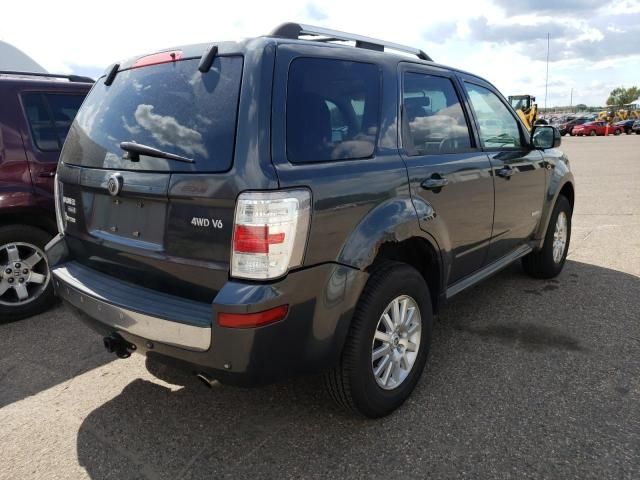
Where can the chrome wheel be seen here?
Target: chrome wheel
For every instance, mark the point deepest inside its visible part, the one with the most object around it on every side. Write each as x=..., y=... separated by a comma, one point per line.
x=396, y=342
x=24, y=273
x=560, y=237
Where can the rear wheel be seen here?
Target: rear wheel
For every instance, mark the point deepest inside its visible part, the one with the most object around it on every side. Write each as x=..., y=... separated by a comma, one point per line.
x=592, y=133
x=617, y=132
x=25, y=281
x=548, y=262
x=388, y=343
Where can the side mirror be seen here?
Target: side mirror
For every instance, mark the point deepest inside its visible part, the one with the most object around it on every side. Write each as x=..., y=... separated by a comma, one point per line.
x=545, y=136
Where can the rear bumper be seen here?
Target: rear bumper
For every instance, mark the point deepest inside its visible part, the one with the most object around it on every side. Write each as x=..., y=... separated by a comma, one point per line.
x=138, y=311
x=174, y=330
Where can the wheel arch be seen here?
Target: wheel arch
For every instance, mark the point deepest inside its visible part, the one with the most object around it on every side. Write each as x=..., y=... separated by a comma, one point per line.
x=391, y=231
x=564, y=186
x=31, y=216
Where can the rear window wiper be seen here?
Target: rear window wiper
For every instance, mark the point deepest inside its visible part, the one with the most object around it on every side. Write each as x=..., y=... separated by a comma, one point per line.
x=134, y=150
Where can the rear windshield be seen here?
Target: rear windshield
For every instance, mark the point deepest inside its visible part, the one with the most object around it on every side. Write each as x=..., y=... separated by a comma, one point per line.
x=172, y=107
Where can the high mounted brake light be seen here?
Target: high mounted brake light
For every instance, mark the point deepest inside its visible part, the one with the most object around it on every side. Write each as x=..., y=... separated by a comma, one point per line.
x=269, y=233
x=158, y=58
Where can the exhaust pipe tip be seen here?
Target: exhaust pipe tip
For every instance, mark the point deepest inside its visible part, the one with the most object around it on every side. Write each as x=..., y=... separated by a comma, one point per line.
x=207, y=380
x=114, y=343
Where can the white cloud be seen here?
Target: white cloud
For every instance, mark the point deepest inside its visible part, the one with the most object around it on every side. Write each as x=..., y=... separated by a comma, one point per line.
x=77, y=37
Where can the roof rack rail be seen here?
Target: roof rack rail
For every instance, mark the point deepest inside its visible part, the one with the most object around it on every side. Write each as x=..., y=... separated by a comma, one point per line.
x=71, y=78
x=296, y=30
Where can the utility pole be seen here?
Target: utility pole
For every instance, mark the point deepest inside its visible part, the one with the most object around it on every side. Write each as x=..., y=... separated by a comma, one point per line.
x=546, y=83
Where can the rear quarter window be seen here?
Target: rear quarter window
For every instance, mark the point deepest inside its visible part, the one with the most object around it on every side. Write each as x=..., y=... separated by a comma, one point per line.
x=332, y=110
x=50, y=116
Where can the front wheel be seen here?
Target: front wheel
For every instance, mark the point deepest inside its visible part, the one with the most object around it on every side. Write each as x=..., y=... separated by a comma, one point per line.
x=388, y=343
x=548, y=262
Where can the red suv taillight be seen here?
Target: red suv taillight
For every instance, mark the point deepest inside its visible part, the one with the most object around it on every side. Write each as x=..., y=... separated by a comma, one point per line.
x=269, y=233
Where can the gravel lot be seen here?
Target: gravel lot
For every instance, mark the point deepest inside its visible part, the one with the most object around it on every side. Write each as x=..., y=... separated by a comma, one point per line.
x=527, y=379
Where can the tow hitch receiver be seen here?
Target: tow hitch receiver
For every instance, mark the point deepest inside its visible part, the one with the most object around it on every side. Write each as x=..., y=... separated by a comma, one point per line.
x=114, y=343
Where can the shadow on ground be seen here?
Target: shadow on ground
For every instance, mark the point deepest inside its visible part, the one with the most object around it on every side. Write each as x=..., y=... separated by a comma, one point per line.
x=42, y=351
x=524, y=376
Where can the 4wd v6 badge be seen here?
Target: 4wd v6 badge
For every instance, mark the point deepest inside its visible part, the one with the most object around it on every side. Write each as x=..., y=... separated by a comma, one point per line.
x=206, y=222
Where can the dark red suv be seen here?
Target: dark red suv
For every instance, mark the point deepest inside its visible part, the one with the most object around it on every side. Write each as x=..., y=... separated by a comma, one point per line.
x=37, y=111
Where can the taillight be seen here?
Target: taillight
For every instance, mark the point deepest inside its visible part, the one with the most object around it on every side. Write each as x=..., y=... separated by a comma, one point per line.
x=57, y=198
x=269, y=233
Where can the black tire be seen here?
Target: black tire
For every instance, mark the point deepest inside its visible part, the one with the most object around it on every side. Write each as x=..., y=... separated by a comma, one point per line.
x=540, y=264
x=617, y=132
x=39, y=238
x=592, y=133
x=352, y=384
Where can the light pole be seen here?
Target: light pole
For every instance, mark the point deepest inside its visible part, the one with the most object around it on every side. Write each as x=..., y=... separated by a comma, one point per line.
x=546, y=83
x=571, y=100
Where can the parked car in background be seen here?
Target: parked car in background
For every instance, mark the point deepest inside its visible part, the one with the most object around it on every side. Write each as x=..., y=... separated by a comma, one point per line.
x=636, y=127
x=596, y=128
x=626, y=125
x=35, y=115
x=566, y=127
x=249, y=213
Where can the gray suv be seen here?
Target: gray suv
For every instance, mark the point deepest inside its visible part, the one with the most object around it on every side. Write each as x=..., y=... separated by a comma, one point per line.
x=287, y=204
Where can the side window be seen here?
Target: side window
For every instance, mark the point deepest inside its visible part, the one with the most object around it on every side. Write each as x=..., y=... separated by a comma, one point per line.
x=333, y=110
x=498, y=127
x=50, y=116
x=63, y=108
x=432, y=117
x=41, y=124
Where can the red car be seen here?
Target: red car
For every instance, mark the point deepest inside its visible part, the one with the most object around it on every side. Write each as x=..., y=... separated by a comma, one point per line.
x=596, y=128
x=36, y=114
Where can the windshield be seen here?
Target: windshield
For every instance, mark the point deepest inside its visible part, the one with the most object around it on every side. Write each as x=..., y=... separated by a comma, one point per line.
x=172, y=107
x=520, y=103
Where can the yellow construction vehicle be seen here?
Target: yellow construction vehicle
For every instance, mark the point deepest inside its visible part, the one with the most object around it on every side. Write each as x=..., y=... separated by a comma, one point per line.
x=616, y=113
x=526, y=108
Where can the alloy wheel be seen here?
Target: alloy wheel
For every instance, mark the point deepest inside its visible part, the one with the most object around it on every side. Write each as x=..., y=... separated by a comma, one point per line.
x=24, y=273
x=396, y=342
x=560, y=237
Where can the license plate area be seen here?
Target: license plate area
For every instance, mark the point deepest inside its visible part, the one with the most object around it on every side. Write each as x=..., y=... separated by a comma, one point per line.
x=140, y=220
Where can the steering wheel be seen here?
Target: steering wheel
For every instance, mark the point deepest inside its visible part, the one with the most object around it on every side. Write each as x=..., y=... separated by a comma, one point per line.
x=446, y=144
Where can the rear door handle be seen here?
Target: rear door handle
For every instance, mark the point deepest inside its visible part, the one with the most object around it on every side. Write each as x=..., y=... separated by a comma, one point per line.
x=505, y=172
x=435, y=182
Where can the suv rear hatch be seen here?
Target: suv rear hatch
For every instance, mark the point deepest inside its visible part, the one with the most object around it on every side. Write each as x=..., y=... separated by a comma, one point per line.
x=161, y=220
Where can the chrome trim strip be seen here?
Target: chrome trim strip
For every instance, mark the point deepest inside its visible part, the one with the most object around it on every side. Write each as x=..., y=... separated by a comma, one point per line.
x=487, y=271
x=151, y=328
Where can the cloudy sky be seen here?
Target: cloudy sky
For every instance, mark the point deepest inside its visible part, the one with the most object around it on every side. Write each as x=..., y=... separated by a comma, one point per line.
x=595, y=45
